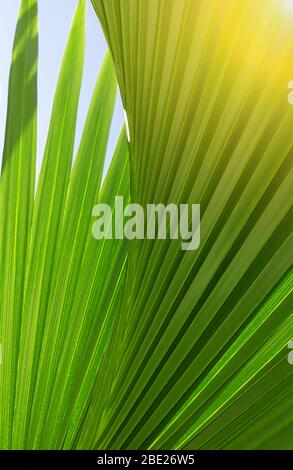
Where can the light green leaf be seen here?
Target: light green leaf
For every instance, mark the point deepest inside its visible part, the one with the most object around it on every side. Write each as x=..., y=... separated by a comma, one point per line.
x=16, y=203
x=47, y=218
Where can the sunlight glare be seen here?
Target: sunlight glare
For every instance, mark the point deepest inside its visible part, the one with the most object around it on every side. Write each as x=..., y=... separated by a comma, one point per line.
x=288, y=5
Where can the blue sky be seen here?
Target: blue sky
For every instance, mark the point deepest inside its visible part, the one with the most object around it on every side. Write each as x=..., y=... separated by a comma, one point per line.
x=55, y=17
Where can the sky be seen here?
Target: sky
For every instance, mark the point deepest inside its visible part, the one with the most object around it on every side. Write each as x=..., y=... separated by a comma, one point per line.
x=55, y=17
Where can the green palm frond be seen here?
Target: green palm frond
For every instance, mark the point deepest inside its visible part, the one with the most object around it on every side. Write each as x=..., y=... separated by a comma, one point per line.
x=116, y=344
x=55, y=275
x=16, y=203
x=205, y=348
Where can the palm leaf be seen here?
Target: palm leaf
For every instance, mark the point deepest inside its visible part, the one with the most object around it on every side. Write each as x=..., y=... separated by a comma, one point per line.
x=48, y=213
x=16, y=203
x=209, y=123
x=62, y=289
x=112, y=344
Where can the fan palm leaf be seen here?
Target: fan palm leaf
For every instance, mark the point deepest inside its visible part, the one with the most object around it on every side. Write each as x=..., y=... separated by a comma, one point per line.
x=204, y=85
x=116, y=344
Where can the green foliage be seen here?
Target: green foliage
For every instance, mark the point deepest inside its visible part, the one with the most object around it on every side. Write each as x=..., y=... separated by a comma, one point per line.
x=205, y=87
x=112, y=344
